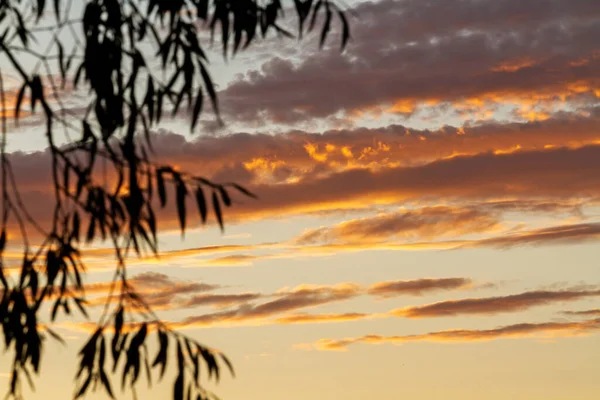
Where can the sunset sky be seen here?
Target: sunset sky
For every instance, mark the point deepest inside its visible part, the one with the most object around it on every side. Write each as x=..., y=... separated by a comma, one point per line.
x=428, y=216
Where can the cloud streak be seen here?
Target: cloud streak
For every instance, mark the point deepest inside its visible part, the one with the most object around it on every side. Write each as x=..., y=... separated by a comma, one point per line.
x=424, y=223
x=418, y=287
x=516, y=331
x=493, y=305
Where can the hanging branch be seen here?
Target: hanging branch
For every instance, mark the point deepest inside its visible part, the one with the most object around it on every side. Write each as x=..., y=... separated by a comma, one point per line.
x=113, y=51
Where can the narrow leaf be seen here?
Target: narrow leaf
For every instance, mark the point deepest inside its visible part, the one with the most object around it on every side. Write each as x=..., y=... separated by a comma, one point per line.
x=217, y=208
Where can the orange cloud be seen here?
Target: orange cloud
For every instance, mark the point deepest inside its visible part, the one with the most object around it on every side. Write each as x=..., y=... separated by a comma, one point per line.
x=158, y=290
x=585, y=313
x=398, y=168
x=303, y=318
x=423, y=223
x=517, y=331
x=493, y=305
x=418, y=287
x=513, y=65
x=571, y=233
x=303, y=296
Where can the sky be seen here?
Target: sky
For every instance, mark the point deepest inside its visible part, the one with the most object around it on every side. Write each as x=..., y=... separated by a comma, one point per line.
x=428, y=216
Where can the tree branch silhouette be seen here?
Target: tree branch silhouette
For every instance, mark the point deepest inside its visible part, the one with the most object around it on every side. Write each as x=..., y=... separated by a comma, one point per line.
x=115, y=50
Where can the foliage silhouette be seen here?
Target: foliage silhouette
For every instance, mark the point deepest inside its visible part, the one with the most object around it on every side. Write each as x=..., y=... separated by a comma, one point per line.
x=114, y=49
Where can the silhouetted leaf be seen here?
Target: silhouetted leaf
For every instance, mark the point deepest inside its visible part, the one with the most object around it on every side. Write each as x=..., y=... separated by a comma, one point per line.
x=161, y=357
x=228, y=363
x=56, y=336
x=91, y=230
x=197, y=108
x=244, y=190
x=225, y=196
x=2, y=241
x=119, y=321
x=61, y=62
x=54, y=310
x=326, y=25
x=315, y=12
x=13, y=380
x=80, y=302
x=181, y=194
x=37, y=91
x=41, y=4
x=178, y=387
x=106, y=384
x=102, y=356
x=75, y=232
x=217, y=208
x=210, y=88
x=84, y=387
x=201, y=201
x=345, y=29
x=180, y=358
x=57, y=9
x=19, y=100
x=160, y=183
x=147, y=366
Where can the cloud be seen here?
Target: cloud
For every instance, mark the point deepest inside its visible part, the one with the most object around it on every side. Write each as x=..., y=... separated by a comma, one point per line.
x=463, y=61
x=293, y=155
x=554, y=235
x=584, y=313
x=220, y=300
x=395, y=170
x=516, y=331
x=423, y=223
x=234, y=260
x=493, y=305
x=418, y=287
x=520, y=176
x=303, y=296
x=563, y=234
x=285, y=305
x=159, y=290
x=162, y=292
x=303, y=318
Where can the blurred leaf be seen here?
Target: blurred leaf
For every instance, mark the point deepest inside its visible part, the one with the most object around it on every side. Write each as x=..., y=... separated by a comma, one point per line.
x=181, y=194
x=217, y=208
x=228, y=363
x=210, y=88
x=41, y=4
x=345, y=29
x=197, y=108
x=19, y=100
x=161, y=357
x=2, y=241
x=225, y=196
x=244, y=190
x=178, y=387
x=106, y=383
x=201, y=201
x=326, y=25
x=160, y=183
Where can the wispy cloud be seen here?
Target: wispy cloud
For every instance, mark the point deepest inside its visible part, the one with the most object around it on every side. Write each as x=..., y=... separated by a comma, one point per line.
x=493, y=305
x=584, y=313
x=418, y=287
x=303, y=296
x=424, y=223
x=303, y=318
x=516, y=331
